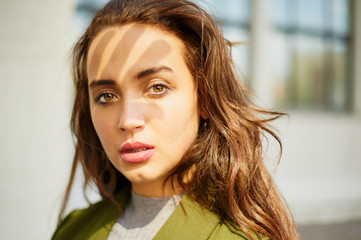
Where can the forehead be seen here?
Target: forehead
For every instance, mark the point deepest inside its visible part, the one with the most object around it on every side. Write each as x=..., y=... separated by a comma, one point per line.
x=132, y=45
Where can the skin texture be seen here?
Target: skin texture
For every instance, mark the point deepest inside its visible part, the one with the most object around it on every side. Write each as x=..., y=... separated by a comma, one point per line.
x=141, y=90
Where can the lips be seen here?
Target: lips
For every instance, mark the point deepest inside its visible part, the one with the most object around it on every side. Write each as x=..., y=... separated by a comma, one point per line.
x=136, y=152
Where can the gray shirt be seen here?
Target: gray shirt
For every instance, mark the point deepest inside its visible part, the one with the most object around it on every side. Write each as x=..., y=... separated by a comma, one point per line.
x=143, y=217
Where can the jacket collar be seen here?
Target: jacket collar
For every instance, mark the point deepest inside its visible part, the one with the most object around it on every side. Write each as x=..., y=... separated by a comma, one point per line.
x=188, y=221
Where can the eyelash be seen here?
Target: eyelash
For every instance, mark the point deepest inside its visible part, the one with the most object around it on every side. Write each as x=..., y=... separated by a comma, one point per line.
x=103, y=94
x=165, y=87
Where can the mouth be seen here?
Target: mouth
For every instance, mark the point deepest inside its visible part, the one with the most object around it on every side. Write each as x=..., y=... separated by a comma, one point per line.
x=136, y=152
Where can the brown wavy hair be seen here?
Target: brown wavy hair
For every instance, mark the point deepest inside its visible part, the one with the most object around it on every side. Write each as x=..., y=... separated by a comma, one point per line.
x=229, y=176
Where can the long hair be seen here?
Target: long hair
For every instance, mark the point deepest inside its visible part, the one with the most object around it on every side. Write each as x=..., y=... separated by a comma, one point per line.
x=229, y=176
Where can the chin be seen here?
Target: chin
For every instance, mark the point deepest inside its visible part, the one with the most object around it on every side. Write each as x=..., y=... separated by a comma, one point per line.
x=142, y=178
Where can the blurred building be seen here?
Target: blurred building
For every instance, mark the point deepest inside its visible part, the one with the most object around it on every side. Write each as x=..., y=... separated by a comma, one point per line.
x=302, y=57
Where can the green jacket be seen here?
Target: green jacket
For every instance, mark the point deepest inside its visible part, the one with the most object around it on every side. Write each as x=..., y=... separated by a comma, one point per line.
x=188, y=221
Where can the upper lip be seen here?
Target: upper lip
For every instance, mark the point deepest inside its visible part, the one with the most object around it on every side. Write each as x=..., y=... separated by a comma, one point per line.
x=134, y=145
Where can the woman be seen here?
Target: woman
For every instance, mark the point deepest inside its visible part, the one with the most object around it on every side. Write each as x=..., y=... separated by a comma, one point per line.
x=166, y=131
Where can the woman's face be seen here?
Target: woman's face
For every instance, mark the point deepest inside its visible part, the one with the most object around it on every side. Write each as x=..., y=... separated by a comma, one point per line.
x=143, y=102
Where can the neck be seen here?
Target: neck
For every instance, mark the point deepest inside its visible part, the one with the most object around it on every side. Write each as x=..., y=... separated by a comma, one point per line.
x=157, y=189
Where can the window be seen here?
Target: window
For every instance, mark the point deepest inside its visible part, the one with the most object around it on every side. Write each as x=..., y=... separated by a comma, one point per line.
x=310, y=46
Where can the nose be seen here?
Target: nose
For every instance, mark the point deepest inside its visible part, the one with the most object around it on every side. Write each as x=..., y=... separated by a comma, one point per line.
x=131, y=117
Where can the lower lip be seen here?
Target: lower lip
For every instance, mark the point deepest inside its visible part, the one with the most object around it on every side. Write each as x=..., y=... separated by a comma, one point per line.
x=137, y=157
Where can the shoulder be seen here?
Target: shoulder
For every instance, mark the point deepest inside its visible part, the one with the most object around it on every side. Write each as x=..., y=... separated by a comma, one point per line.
x=93, y=222
x=225, y=230
x=85, y=223
x=192, y=221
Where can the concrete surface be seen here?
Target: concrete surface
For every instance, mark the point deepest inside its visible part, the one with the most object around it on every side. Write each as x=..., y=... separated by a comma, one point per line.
x=345, y=231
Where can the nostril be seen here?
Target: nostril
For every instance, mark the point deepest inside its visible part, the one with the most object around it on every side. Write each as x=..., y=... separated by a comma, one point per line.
x=130, y=125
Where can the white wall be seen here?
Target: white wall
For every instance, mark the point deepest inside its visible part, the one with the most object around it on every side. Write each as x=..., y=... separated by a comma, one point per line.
x=35, y=96
x=319, y=173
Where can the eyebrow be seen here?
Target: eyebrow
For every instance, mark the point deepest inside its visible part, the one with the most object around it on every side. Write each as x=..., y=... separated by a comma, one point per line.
x=96, y=83
x=150, y=71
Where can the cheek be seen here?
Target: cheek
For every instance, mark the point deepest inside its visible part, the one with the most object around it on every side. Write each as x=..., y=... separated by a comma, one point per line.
x=101, y=128
x=181, y=123
x=104, y=124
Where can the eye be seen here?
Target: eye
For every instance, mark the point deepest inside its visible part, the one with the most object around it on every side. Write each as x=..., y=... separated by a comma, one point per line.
x=158, y=89
x=104, y=98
